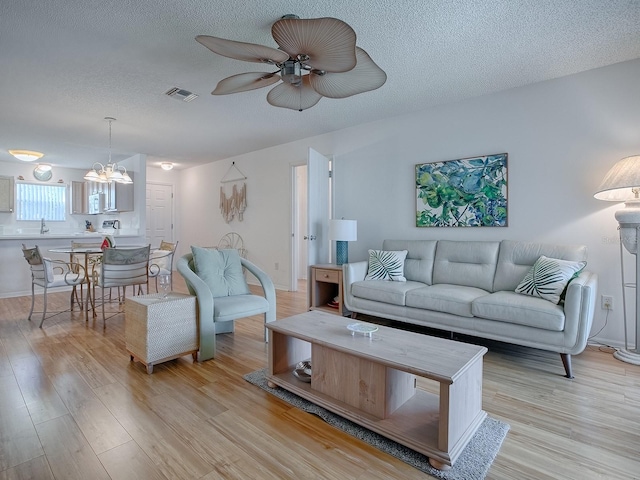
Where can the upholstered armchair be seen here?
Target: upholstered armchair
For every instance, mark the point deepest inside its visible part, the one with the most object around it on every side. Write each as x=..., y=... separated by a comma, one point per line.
x=216, y=278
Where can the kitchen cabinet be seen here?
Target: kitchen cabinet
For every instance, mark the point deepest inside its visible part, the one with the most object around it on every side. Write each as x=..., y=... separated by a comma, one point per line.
x=109, y=197
x=119, y=196
x=79, y=198
x=7, y=192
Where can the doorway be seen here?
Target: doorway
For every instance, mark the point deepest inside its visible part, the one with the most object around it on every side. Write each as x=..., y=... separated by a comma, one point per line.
x=159, y=212
x=311, y=208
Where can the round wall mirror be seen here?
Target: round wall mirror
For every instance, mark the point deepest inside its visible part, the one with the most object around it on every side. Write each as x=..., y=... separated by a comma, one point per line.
x=42, y=173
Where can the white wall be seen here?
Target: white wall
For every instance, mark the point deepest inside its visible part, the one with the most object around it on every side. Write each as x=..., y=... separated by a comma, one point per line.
x=561, y=136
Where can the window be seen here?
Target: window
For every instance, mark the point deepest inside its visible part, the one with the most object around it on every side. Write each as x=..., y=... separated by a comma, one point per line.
x=35, y=202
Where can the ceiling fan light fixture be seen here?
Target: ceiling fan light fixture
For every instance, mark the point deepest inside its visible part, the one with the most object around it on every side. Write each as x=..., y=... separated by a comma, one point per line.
x=291, y=72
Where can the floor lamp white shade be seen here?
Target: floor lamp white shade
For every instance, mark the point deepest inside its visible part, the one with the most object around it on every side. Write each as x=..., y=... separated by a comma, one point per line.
x=622, y=184
x=343, y=231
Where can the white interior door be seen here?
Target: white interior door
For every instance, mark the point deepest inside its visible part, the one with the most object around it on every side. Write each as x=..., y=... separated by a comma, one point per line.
x=318, y=208
x=159, y=204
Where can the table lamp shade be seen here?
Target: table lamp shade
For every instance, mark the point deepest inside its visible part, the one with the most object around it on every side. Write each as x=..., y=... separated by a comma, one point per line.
x=343, y=231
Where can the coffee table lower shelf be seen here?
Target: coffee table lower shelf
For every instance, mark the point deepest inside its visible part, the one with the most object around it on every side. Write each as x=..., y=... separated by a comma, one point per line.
x=414, y=425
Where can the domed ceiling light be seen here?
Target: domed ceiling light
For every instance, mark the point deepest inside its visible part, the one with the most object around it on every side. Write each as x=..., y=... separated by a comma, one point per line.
x=26, y=155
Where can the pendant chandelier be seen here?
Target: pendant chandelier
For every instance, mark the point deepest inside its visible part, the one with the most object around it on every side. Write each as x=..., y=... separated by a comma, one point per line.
x=111, y=172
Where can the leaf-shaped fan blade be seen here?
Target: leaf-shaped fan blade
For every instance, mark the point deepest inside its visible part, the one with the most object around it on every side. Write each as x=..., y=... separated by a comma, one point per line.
x=330, y=43
x=244, y=82
x=364, y=77
x=249, y=52
x=287, y=95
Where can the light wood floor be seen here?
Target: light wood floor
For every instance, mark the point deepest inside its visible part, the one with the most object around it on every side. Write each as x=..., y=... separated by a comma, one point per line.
x=72, y=406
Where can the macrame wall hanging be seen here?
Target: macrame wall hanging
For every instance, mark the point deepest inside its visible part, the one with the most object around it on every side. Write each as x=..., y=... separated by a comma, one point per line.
x=233, y=194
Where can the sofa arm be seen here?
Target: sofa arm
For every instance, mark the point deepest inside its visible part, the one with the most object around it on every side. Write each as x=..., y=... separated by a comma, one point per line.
x=352, y=272
x=579, y=308
x=267, y=287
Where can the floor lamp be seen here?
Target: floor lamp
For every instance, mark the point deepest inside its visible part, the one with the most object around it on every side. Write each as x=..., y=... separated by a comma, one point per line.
x=622, y=184
x=343, y=231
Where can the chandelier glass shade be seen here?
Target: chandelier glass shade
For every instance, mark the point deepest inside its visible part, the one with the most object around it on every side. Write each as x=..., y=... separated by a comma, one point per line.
x=111, y=172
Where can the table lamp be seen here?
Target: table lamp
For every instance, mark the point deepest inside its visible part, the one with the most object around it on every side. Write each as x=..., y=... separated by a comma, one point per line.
x=622, y=184
x=343, y=231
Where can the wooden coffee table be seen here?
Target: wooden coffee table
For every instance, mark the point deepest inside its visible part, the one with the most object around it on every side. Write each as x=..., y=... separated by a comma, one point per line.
x=371, y=380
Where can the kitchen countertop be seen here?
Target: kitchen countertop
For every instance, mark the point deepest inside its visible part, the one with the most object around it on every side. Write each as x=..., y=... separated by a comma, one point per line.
x=56, y=236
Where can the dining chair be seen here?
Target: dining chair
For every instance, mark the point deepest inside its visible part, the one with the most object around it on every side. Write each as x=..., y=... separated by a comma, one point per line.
x=90, y=262
x=121, y=267
x=162, y=262
x=47, y=273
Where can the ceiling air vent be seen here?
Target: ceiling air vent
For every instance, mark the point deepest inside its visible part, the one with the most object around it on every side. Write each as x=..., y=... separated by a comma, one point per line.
x=180, y=94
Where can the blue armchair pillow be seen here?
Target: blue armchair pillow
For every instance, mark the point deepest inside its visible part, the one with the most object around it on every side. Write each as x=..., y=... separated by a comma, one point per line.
x=221, y=270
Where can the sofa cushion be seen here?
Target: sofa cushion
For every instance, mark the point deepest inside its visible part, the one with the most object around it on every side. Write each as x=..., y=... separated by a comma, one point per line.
x=516, y=258
x=383, y=290
x=519, y=309
x=471, y=264
x=221, y=270
x=454, y=299
x=418, y=266
x=386, y=265
x=548, y=278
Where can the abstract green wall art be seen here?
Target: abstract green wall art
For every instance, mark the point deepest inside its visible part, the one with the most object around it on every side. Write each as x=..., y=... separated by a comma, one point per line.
x=469, y=192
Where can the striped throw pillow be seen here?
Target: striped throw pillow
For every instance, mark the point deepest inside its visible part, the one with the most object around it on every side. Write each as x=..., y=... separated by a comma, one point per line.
x=386, y=265
x=548, y=278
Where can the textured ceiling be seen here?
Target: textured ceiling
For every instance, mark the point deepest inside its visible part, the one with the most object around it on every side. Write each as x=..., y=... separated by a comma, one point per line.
x=67, y=64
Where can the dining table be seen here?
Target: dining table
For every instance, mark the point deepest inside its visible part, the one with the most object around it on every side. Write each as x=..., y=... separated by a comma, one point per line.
x=92, y=256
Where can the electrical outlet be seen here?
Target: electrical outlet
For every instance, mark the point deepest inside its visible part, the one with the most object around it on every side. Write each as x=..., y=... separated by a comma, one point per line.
x=607, y=302
x=276, y=266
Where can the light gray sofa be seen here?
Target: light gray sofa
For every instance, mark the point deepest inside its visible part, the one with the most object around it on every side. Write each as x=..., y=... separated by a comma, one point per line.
x=469, y=287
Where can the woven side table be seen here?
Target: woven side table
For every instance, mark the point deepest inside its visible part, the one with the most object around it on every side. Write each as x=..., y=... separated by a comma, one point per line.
x=159, y=329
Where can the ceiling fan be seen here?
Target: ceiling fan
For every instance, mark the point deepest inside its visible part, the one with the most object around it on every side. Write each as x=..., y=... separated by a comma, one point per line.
x=316, y=58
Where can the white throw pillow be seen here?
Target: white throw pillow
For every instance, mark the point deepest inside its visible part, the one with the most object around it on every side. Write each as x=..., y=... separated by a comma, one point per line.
x=548, y=278
x=386, y=265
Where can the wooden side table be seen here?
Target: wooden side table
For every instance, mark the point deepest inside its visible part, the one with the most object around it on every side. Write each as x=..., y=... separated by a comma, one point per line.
x=326, y=284
x=159, y=329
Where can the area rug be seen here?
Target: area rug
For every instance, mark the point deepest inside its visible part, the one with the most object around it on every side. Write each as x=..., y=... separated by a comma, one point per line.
x=472, y=464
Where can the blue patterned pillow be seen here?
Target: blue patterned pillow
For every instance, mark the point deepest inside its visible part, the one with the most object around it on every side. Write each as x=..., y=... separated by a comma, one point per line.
x=386, y=265
x=549, y=277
